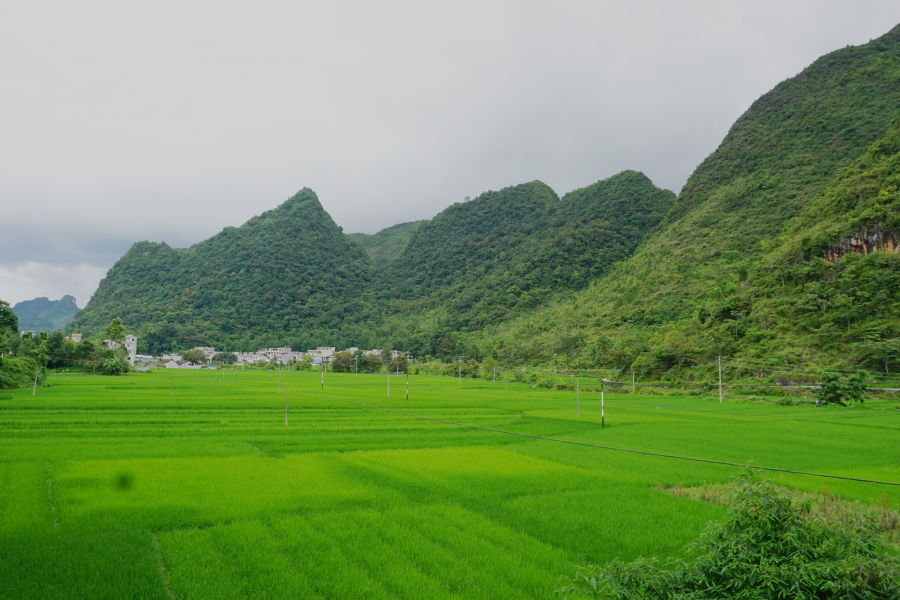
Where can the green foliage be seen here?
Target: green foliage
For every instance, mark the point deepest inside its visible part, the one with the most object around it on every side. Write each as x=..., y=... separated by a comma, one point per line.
x=9, y=321
x=748, y=261
x=505, y=253
x=766, y=548
x=227, y=358
x=342, y=362
x=43, y=314
x=113, y=366
x=399, y=364
x=834, y=390
x=738, y=267
x=115, y=331
x=384, y=246
x=288, y=275
x=18, y=372
x=195, y=355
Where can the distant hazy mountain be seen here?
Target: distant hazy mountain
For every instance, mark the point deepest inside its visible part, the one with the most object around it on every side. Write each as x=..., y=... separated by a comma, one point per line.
x=43, y=314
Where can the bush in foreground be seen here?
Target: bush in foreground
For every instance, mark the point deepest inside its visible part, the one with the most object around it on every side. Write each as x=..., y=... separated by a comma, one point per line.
x=768, y=547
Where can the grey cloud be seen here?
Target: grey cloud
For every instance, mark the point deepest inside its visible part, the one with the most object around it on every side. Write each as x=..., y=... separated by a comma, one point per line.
x=170, y=120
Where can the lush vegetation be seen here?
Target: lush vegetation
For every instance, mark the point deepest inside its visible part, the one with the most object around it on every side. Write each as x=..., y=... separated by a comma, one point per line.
x=767, y=547
x=738, y=267
x=751, y=261
x=21, y=372
x=290, y=276
x=118, y=488
x=385, y=245
x=43, y=314
x=505, y=253
x=9, y=322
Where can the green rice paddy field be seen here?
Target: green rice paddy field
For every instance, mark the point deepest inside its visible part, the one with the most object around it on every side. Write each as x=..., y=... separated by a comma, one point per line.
x=112, y=488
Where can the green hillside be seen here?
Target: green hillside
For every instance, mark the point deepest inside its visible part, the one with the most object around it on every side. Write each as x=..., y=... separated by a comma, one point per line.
x=384, y=246
x=773, y=168
x=505, y=253
x=618, y=273
x=288, y=275
x=43, y=314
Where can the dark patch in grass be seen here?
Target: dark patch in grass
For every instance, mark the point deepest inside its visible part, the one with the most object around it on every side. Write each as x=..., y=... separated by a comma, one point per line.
x=123, y=481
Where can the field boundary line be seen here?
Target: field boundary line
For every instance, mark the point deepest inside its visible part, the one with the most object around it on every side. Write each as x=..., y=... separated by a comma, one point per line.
x=161, y=567
x=602, y=447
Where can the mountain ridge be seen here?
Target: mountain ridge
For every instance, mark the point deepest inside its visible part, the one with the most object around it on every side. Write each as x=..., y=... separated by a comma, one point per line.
x=43, y=314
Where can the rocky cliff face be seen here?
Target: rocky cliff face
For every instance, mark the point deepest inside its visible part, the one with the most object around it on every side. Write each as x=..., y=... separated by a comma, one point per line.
x=871, y=240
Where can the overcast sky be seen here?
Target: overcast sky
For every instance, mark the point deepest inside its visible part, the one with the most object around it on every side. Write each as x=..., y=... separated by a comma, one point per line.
x=167, y=121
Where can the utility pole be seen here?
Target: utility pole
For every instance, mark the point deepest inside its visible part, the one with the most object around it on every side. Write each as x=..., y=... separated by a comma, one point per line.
x=407, y=385
x=504, y=381
x=171, y=382
x=323, y=378
x=632, y=380
x=357, y=366
x=460, y=370
x=36, y=371
x=279, y=378
x=495, y=375
x=389, y=383
x=286, y=392
x=720, y=379
x=602, y=410
x=576, y=398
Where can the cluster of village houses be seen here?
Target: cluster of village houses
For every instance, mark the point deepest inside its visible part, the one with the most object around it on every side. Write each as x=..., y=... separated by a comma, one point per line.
x=284, y=355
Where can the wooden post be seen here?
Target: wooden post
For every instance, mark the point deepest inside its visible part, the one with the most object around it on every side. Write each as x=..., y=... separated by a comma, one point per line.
x=577, y=408
x=389, y=383
x=286, y=392
x=460, y=371
x=407, y=385
x=720, y=379
x=279, y=378
x=632, y=380
x=36, y=371
x=323, y=378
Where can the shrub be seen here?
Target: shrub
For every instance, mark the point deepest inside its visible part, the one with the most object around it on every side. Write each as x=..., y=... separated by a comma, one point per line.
x=766, y=548
x=18, y=372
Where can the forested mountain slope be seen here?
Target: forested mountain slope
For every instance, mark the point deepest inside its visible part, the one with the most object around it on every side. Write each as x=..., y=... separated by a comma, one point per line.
x=289, y=275
x=384, y=246
x=43, y=314
x=775, y=163
x=507, y=252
